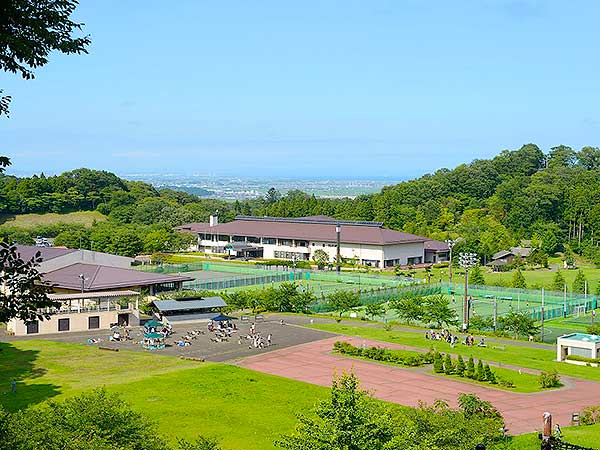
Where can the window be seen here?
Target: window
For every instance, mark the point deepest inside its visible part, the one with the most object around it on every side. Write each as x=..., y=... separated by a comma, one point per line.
x=253, y=239
x=414, y=260
x=63, y=324
x=285, y=242
x=33, y=327
x=239, y=239
x=93, y=322
x=269, y=240
x=301, y=244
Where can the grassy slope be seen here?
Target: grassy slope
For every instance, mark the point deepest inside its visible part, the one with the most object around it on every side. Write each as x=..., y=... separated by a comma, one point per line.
x=520, y=356
x=30, y=220
x=587, y=436
x=248, y=410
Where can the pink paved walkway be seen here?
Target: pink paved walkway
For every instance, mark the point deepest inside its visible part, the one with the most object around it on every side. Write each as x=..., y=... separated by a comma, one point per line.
x=314, y=363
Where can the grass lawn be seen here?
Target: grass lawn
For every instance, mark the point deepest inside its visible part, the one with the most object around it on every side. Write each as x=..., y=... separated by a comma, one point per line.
x=520, y=356
x=586, y=435
x=247, y=409
x=30, y=220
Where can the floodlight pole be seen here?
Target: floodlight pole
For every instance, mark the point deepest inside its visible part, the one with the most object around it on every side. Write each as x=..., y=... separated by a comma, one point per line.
x=542, y=314
x=467, y=260
x=338, y=230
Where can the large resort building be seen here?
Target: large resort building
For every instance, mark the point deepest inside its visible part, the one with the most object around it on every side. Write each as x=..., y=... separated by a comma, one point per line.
x=93, y=289
x=369, y=243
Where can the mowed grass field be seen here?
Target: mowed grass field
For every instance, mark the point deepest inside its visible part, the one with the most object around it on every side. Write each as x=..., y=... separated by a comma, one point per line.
x=246, y=409
x=85, y=218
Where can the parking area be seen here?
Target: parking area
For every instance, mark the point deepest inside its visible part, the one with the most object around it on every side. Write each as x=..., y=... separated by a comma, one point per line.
x=201, y=346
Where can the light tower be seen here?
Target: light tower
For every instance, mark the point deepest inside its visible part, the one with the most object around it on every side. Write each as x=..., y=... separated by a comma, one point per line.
x=466, y=261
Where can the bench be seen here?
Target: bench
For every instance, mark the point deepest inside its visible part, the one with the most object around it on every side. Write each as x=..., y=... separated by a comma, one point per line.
x=244, y=318
x=259, y=317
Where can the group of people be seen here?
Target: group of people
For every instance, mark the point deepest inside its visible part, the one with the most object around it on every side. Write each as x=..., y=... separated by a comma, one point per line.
x=256, y=340
x=116, y=336
x=223, y=330
x=452, y=339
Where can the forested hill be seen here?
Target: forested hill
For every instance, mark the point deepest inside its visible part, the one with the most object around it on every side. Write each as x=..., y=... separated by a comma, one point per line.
x=553, y=198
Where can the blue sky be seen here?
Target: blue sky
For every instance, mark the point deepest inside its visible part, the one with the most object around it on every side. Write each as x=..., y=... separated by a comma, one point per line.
x=313, y=88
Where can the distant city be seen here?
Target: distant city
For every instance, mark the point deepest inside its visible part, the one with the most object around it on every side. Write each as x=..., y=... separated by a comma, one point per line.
x=239, y=188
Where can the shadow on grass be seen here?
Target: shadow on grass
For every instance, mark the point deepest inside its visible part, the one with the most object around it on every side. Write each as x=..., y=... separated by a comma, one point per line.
x=19, y=366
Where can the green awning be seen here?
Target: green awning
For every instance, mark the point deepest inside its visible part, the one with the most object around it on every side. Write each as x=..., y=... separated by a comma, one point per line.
x=153, y=324
x=154, y=336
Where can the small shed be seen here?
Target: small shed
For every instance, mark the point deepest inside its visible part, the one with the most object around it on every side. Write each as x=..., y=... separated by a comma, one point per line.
x=189, y=310
x=582, y=346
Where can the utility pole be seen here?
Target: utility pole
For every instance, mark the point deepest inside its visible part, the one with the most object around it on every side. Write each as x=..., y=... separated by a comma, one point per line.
x=495, y=313
x=467, y=261
x=338, y=232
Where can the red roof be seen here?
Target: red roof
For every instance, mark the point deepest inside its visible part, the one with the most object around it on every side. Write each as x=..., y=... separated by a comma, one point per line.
x=26, y=252
x=99, y=278
x=313, y=228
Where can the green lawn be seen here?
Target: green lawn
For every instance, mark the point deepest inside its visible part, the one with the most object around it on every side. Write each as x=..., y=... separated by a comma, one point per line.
x=30, y=220
x=520, y=356
x=587, y=436
x=247, y=409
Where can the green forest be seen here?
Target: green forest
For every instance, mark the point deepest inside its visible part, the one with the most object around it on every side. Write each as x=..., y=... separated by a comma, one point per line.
x=551, y=198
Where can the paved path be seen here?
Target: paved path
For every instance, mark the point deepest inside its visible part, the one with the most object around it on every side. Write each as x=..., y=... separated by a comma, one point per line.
x=314, y=363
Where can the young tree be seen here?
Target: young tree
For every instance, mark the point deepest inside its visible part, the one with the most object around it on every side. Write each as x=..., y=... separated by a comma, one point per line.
x=518, y=280
x=470, y=372
x=24, y=295
x=476, y=276
x=479, y=371
x=460, y=366
x=32, y=29
x=438, y=363
x=343, y=301
x=408, y=308
x=448, y=365
x=579, y=282
x=558, y=282
x=518, y=323
x=374, y=310
x=321, y=258
x=437, y=309
x=348, y=420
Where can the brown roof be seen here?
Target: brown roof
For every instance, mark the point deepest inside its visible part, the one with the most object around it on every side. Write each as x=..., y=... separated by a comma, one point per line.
x=27, y=252
x=314, y=228
x=98, y=278
x=436, y=246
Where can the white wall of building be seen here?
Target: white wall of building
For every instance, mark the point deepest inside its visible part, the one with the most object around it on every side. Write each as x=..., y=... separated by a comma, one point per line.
x=77, y=322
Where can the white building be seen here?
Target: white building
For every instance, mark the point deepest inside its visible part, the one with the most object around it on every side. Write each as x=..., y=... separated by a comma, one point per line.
x=369, y=243
x=577, y=344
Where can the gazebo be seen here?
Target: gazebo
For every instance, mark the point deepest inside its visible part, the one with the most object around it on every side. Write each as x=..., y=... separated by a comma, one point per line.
x=154, y=341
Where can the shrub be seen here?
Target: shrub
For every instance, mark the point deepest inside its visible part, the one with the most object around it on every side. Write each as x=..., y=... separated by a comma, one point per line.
x=470, y=373
x=583, y=358
x=505, y=382
x=549, y=379
x=460, y=366
x=590, y=415
x=438, y=363
x=448, y=365
x=594, y=329
x=479, y=374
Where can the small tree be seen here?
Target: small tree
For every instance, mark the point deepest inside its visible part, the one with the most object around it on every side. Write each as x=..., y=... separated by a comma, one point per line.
x=489, y=374
x=321, y=258
x=579, y=283
x=479, y=373
x=518, y=323
x=460, y=366
x=470, y=372
x=448, y=365
x=518, y=280
x=343, y=301
x=549, y=379
x=438, y=363
x=409, y=308
x=476, y=276
x=374, y=310
x=558, y=282
x=437, y=309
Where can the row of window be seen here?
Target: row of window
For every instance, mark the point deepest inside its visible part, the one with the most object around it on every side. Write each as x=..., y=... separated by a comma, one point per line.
x=253, y=240
x=63, y=324
x=290, y=255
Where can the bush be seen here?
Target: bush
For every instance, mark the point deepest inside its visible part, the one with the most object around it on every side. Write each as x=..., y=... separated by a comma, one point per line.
x=594, y=329
x=479, y=373
x=549, y=379
x=448, y=365
x=438, y=363
x=404, y=358
x=505, y=382
x=460, y=366
x=470, y=372
x=583, y=359
x=590, y=415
